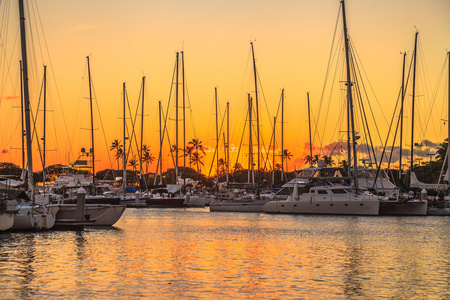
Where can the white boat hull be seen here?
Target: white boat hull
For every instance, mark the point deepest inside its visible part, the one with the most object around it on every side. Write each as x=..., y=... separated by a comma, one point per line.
x=39, y=218
x=325, y=207
x=238, y=206
x=434, y=211
x=100, y=214
x=194, y=201
x=399, y=208
x=6, y=220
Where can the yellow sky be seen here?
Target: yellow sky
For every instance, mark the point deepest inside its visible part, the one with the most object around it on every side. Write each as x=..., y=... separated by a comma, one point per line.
x=292, y=39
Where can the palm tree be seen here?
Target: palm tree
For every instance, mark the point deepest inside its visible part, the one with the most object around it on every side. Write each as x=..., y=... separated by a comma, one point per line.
x=147, y=157
x=196, y=159
x=119, y=155
x=287, y=156
x=238, y=167
x=344, y=164
x=173, y=149
x=441, y=151
x=309, y=160
x=197, y=145
x=221, y=166
x=116, y=146
x=327, y=161
x=188, y=152
x=134, y=163
x=315, y=159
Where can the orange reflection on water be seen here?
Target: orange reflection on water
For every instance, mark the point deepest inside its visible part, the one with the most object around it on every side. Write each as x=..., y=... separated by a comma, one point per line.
x=192, y=253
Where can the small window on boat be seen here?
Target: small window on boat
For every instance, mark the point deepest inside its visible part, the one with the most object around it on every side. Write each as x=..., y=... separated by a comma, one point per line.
x=338, y=191
x=321, y=192
x=346, y=204
x=317, y=204
x=361, y=204
x=331, y=204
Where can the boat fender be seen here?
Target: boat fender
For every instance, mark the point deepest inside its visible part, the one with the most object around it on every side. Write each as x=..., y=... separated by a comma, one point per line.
x=423, y=195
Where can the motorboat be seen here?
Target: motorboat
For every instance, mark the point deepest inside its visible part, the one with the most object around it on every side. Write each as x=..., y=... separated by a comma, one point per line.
x=326, y=199
x=237, y=201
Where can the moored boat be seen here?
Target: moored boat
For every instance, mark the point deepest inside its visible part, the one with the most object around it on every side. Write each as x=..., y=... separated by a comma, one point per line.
x=328, y=199
x=95, y=214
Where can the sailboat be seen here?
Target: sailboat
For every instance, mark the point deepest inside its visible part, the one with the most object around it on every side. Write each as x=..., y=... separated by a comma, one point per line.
x=236, y=200
x=393, y=203
x=440, y=211
x=182, y=183
x=98, y=208
x=321, y=196
x=30, y=216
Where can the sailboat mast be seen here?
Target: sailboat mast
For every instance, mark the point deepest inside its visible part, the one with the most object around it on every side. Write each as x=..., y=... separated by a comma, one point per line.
x=184, y=119
x=124, y=144
x=217, y=136
x=310, y=139
x=257, y=112
x=92, y=126
x=401, y=118
x=160, y=144
x=44, y=173
x=448, y=122
x=282, y=135
x=273, y=150
x=176, y=120
x=413, y=101
x=26, y=95
x=228, y=140
x=142, y=133
x=21, y=115
x=250, y=142
x=350, y=100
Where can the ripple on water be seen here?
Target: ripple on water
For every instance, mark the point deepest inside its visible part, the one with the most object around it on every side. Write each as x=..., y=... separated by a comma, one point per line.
x=192, y=253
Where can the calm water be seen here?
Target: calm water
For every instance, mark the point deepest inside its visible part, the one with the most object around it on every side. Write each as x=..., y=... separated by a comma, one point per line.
x=192, y=253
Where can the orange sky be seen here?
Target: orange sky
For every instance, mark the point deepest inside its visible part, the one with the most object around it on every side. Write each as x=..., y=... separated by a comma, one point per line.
x=292, y=39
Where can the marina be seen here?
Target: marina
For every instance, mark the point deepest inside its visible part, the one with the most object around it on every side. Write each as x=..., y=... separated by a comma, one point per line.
x=320, y=171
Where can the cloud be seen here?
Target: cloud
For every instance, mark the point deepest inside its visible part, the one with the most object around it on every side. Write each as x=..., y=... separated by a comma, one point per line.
x=314, y=148
x=424, y=150
x=429, y=144
x=10, y=97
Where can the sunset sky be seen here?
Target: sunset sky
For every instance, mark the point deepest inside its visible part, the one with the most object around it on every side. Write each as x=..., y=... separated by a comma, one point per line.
x=292, y=40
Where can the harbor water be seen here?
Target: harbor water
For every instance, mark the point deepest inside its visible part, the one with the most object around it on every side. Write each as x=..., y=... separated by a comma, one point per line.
x=197, y=254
